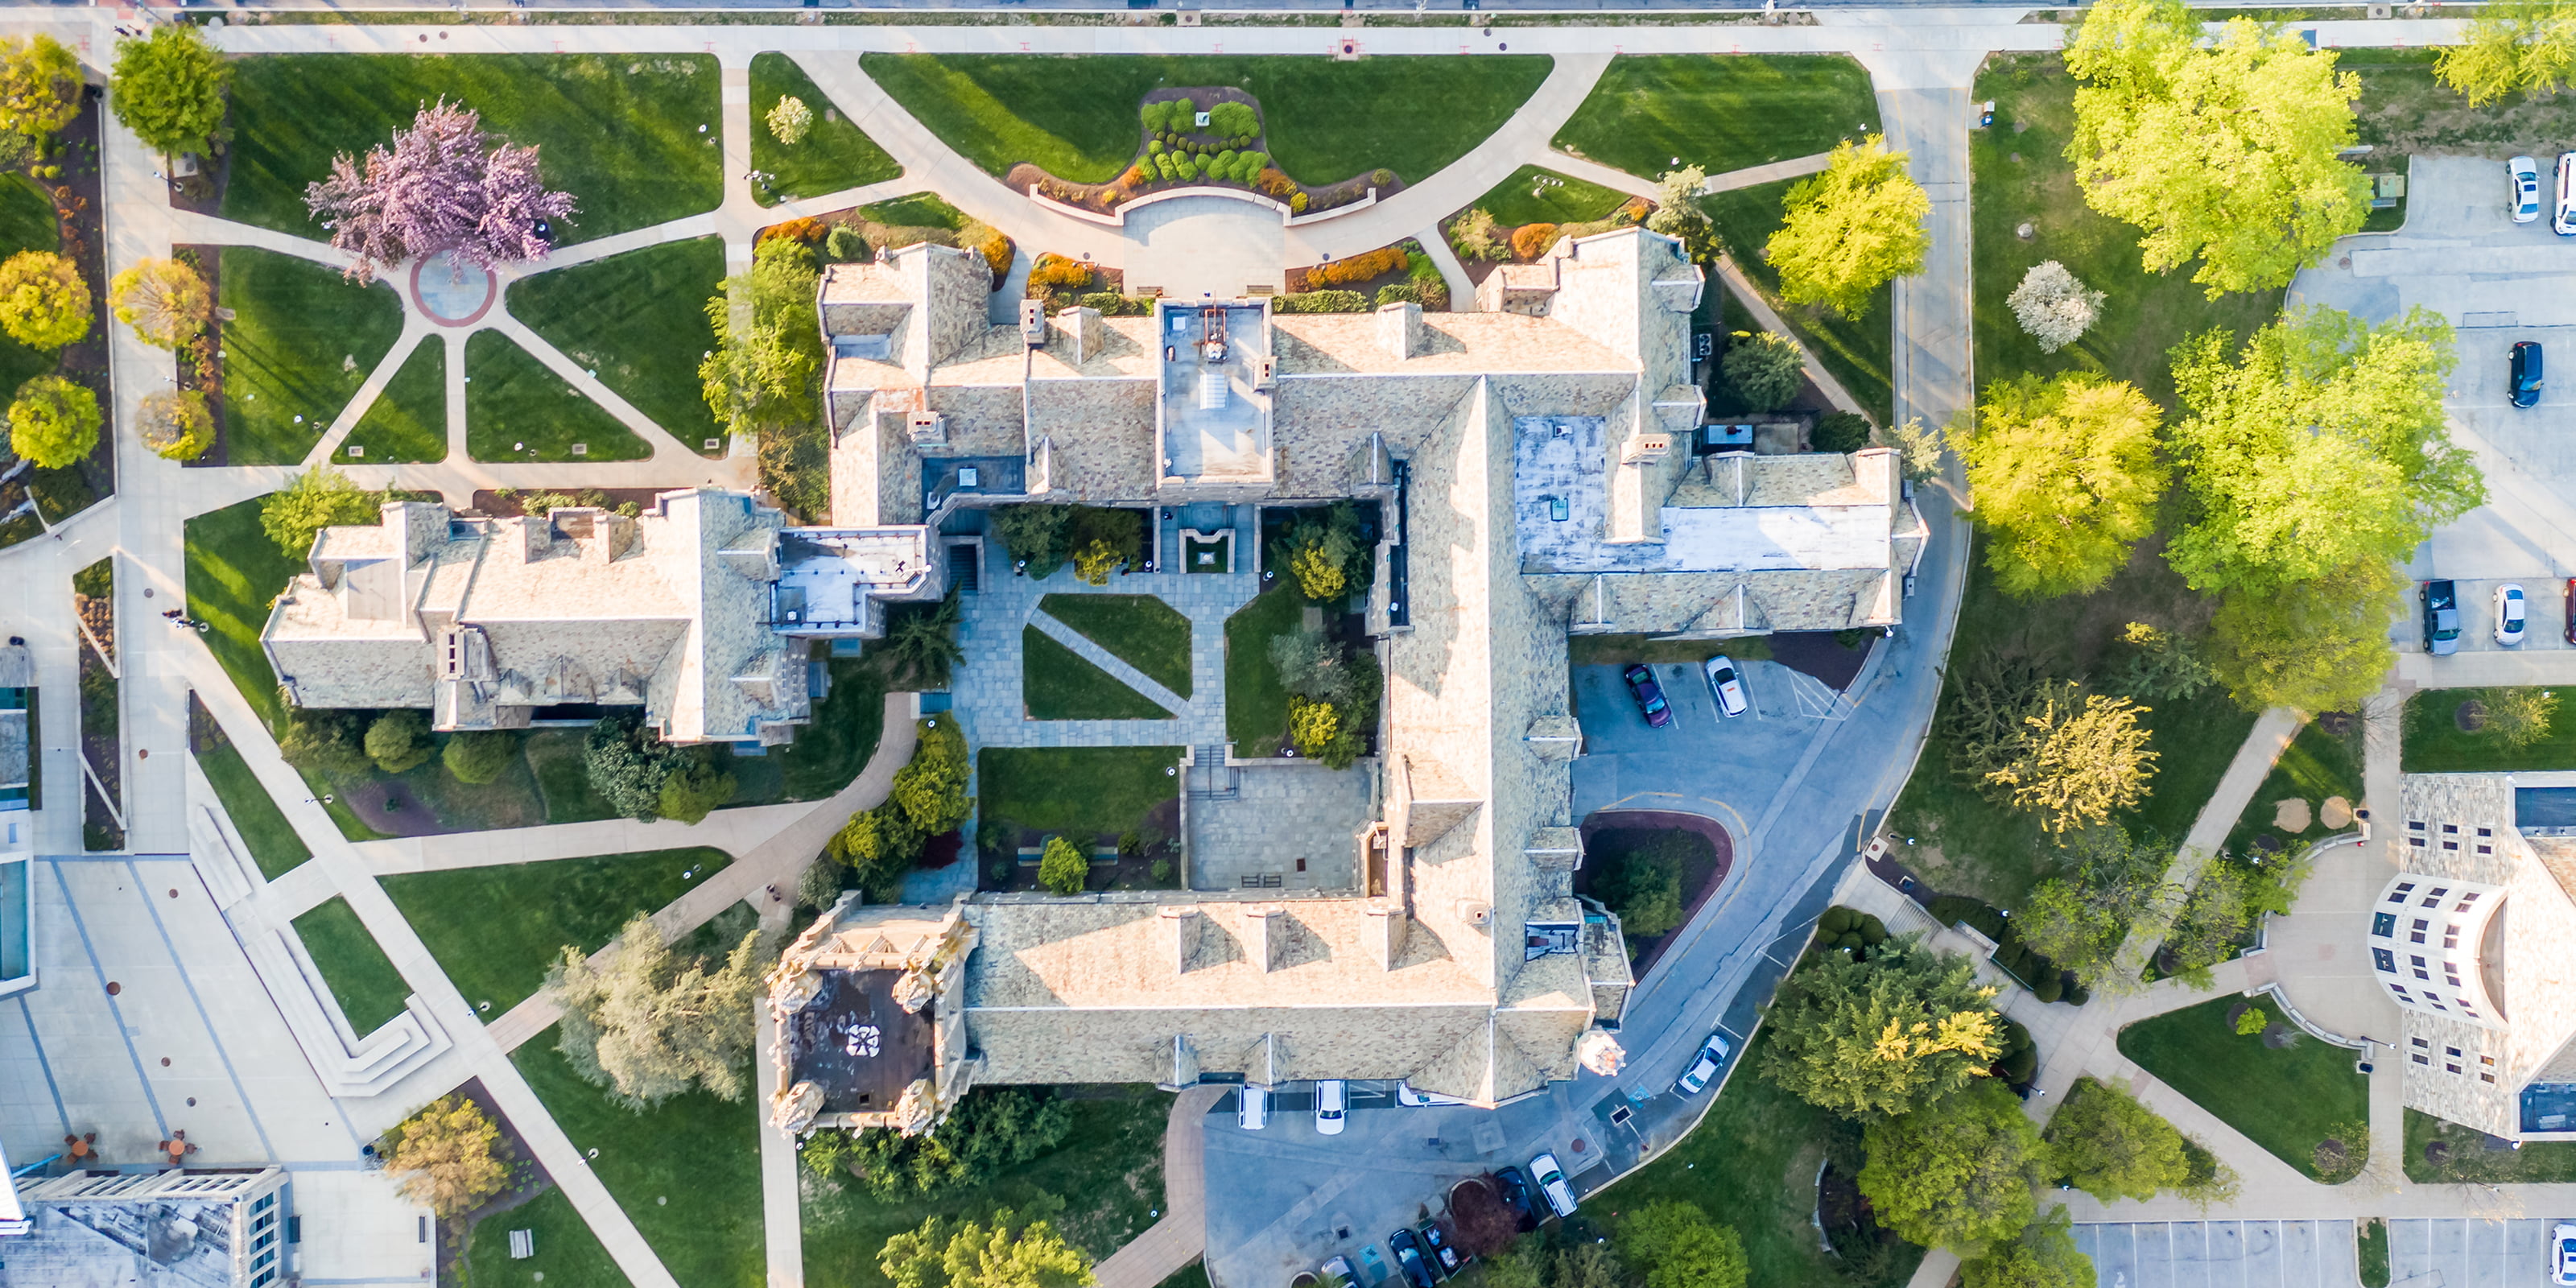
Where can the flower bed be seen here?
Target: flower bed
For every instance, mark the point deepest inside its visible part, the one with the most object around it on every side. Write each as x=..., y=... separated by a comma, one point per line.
x=1196, y=138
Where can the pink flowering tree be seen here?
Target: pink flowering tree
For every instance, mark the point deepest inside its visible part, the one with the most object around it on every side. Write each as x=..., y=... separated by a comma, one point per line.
x=445, y=185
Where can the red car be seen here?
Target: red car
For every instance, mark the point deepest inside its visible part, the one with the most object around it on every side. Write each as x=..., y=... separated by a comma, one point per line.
x=1650, y=696
x=2571, y=610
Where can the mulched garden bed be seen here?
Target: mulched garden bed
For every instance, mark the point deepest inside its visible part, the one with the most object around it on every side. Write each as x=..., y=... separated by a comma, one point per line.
x=527, y=1181
x=1274, y=183
x=75, y=192
x=208, y=260
x=490, y=504
x=1018, y=869
x=1611, y=835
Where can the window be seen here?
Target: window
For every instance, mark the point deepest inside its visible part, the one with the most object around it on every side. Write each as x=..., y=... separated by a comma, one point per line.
x=2486, y=831
x=2418, y=843
x=2423, y=974
x=2467, y=899
x=2452, y=940
x=2482, y=849
x=2449, y=829
x=2437, y=1005
x=2416, y=935
x=2451, y=1069
x=2414, y=825
x=2487, y=1078
x=2404, y=888
x=2464, y=903
x=2384, y=959
x=2420, y=1044
x=2423, y=1061
x=2416, y=962
x=2487, y=1060
x=2447, y=845
x=2383, y=924
x=2439, y=891
x=2451, y=1051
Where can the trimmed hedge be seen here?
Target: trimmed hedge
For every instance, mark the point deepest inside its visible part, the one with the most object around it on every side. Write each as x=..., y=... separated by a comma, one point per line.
x=1320, y=302
x=1357, y=268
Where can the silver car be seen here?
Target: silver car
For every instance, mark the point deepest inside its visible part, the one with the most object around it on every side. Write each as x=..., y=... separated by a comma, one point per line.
x=1712, y=1057
x=2522, y=193
x=1724, y=684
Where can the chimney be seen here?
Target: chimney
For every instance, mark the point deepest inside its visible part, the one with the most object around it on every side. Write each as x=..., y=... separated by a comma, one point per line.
x=1383, y=933
x=1083, y=333
x=1399, y=328
x=1265, y=935
x=1184, y=936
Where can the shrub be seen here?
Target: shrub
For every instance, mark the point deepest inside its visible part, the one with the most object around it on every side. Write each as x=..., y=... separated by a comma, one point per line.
x=479, y=756
x=1356, y=268
x=2053, y=306
x=1320, y=302
x=53, y=422
x=1056, y=271
x=1234, y=120
x=1180, y=116
x=807, y=230
x=789, y=119
x=1311, y=725
x=397, y=741
x=695, y=788
x=1842, y=431
x=1276, y=184
x=1156, y=116
x=1163, y=165
x=2252, y=1022
x=333, y=742
x=1381, y=178
x=627, y=765
x=1767, y=370
x=175, y=424
x=1529, y=241
x=1646, y=891
x=43, y=302
x=996, y=250
x=1297, y=203
x=844, y=245
x=1062, y=866
x=1113, y=304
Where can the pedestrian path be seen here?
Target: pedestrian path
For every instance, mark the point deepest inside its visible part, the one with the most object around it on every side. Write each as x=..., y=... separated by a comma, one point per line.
x=1180, y=1237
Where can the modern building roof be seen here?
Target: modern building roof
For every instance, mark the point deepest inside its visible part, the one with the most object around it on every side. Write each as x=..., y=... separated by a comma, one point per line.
x=176, y=1228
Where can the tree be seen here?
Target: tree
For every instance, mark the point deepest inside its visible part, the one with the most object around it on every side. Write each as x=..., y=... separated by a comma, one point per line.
x=2252, y=1022
x=1586, y=1265
x=2053, y=306
x=789, y=119
x=1478, y=237
x=1677, y=213
x=768, y=355
x=2066, y=478
x=478, y=756
x=2162, y=666
x=1841, y=431
x=1850, y=230
x=2214, y=917
x=695, y=787
x=318, y=498
x=1679, y=1247
x=649, y=1025
x=1311, y=725
x=2108, y=1145
x=448, y=1157
x=1479, y=1220
x=169, y=89
x=968, y=1255
x=1325, y=552
x=2080, y=921
x=2043, y=1256
x=1955, y=1173
x=931, y=787
x=1766, y=370
x=444, y=185
x=2228, y=154
x=1645, y=889
x=397, y=741
x=1062, y=867
x=333, y=742
x=627, y=765
x=993, y=1130
x=2519, y=716
x=165, y=301
x=1919, y=449
x=53, y=422
x=1035, y=536
x=879, y=845
x=2525, y=45
x=43, y=302
x=922, y=639
x=40, y=85
x=1867, y=1039
x=174, y=424
x=2078, y=764
x=2314, y=646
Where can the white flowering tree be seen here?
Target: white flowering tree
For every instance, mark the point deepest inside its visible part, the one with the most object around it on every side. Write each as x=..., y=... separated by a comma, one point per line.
x=2054, y=306
x=789, y=120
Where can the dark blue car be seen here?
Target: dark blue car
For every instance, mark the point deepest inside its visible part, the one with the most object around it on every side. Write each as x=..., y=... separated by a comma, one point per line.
x=1650, y=696
x=2525, y=368
x=1409, y=1259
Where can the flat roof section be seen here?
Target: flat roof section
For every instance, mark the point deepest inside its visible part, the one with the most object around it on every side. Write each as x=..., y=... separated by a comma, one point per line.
x=1561, y=505
x=1215, y=423
x=857, y=1045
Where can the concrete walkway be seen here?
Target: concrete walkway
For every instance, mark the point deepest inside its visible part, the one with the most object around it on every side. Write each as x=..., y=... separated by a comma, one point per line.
x=1181, y=1236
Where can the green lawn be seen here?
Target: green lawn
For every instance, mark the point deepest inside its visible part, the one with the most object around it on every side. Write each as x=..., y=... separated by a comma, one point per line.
x=1854, y=349
x=233, y=571
x=2145, y=315
x=620, y=132
x=919, y=210
x=2286, y=1100
x=496, y=929
x=1107, y=1176
x=301, y=341
x=1720, y=112
x=700, y=1153
x=831, y=751
x=2434, y=743
x=1077, y=790
x=370, y=991
x=409, y=421
x=274, y=846
x=568, y=1255
x=1323, y=120
x=27, y=222
x=639, y=321
x=2467, y=1156
x=1752, y=1164
x=2316, y=765
x=518, y=410
x=1140, y=630
x=1057, y=683
x=1534, y=195
x=1256, y=703
x=834, y=154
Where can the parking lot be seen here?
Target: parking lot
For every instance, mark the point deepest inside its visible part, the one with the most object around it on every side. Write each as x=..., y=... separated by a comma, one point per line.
x=2225, y=1254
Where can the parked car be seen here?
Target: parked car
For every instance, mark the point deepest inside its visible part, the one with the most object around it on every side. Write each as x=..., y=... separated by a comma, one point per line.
x=1551, y=1183
x=1252, y=1112
x=2571, y=610
x=1515, y=1190
x=1337, y=1273
x=2508, y=614
x=2565, y=224
x=1332, y=1104
x=1649, y=695
x=1409, y=1258
x=1713, y=1055
x=2522, y=175
x=1443, y=1256
x=2562, y=1258
x=2441, y=618
x=2523, y=374
x=1724, y=685
x=1406, y=1095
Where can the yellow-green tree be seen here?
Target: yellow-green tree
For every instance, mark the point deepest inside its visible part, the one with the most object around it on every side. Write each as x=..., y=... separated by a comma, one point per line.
x=2227, y=154
x=1865, y=1039
x=965, y=1254
x=2525, y=45
x=165, y=301
x=2065, y=476
x=40, y=85
x=448, y=1157
x=1850, y=230
x=53, y=422
x=44, y=304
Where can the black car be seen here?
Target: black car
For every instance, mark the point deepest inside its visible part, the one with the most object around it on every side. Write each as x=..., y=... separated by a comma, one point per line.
x=1442, y=1255
x=1409, y=1258
x=1516, y=1195
x=2525, y=367
x=2441, y=618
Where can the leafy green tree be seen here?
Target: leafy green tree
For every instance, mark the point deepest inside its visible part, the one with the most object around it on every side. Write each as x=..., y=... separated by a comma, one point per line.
x=40, y=85
x=2066, y=478
x=2079, y=921
x=1062, y=867
x=1036, y=536
x=43, y=302
x=1645, y=889
x=53, y=422
x=332, y=742
x=2313, y=646
x=1678, y=214
x=1868, y=1039
x=764, y=375
x=1852, y=229
x=1312, y=725
x=448, y=1158
x=2214, y=917
x=931, y=787
x=1679, y=1247
x=964, y=1254
x=318, y=498
x=649, y=1024
x=879, y=845
x=697, y=784
x=479, y=756
x=992, y=1130
x=2228, y=153
x=1955, y=1173
x=2078, y=763
x=1325, y=554
x=922, y=639
x=1766, y=370
x=2252, y=1023
x=398, y=741
x=2108, y=1145
x=2525, y=45
x=2043, y=1256
x=169, y=89
x=627, y=764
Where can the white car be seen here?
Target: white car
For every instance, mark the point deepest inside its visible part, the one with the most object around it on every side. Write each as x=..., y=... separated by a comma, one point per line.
x=1724, y=684
x=1406, y=1095
x=2562, y=1255
x=2508, y=614
x=2522, y=194
x=1712, y=1057
x=1332, y=1107
x=1252, y=1112
x=1550, y=1180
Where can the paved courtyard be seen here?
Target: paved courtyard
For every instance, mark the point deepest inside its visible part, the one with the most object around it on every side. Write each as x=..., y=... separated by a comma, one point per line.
x=1286, y=826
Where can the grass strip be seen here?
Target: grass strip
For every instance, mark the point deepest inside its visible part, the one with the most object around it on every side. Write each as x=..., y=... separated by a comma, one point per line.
x=27, y=222
x=1855, y=350
x=362, y=979
x=408, y=423
x=233, y=570
x=496, y=929
x=274, y=846
x=1140, y=630
x=1256, y=703
x=1060, y=684
x=1536, y=195
x=1719, y=113
x=1082, y=791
